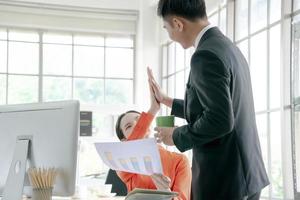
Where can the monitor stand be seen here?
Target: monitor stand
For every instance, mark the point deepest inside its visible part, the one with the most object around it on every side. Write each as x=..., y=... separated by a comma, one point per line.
x=13, y=189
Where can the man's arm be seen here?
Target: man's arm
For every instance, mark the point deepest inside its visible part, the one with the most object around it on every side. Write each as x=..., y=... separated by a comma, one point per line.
x=211, y=81
x=177, y=108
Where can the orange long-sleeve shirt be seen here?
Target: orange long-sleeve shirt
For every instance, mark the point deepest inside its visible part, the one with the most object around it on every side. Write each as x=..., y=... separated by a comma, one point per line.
x=175, y=165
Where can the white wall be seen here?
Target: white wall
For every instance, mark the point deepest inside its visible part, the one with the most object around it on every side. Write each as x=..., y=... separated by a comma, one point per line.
x=148, y=47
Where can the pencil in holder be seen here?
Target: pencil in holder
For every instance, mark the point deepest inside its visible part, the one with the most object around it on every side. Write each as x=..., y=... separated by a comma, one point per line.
x=42, y=181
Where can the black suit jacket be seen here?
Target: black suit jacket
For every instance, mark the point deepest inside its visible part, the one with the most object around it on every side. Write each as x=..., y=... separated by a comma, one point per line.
x=221, y=130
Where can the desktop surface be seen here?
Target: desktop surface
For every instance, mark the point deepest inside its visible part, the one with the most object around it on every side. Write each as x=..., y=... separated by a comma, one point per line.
x=100, y=198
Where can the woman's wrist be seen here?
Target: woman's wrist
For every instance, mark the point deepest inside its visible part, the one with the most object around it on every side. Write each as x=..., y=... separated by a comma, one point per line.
x=153, y=111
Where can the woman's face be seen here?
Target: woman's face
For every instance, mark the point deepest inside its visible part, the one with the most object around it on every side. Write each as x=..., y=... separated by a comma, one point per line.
x=128, y=123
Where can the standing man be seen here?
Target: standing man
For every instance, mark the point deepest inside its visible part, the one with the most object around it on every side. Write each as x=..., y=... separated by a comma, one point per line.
x=218, y=106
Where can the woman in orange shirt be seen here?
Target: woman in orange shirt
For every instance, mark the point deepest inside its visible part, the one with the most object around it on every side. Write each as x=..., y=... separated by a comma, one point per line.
x=133, y=125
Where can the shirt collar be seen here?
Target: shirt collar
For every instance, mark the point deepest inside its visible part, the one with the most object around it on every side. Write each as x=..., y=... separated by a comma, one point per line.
x=202, y=32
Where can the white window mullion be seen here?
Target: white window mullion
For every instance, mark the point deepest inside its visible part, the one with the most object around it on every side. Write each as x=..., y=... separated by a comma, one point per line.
x=7, y=63
x=40, y=94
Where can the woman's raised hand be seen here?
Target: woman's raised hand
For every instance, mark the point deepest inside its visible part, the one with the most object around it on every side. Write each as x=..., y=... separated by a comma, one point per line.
x=158, y=93
x=155, y=105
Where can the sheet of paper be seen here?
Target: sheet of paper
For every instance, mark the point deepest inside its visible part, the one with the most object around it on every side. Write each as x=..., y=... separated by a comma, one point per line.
x=138, y=156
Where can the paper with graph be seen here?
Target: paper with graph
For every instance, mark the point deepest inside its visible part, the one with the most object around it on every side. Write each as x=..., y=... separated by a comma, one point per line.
x=139, y=156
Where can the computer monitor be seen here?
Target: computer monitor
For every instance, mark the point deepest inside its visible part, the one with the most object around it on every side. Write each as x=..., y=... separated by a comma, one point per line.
x=52, y=129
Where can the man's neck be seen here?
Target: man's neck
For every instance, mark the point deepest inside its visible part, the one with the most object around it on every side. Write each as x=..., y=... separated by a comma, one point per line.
x=196, y=28
x=201, y=25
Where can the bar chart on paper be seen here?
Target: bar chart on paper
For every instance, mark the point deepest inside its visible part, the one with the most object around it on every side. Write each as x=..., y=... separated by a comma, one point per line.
x=139, y=156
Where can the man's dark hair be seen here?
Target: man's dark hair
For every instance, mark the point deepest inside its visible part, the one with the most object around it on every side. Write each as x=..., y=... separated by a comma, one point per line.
x=119, y=131
x=189, y=9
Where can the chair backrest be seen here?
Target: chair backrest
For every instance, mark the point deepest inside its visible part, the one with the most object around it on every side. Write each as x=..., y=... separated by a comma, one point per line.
x=118, y=186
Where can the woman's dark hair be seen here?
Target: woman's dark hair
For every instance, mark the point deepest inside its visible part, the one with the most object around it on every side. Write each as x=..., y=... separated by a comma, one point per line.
x=189, y=9
x=119, y=131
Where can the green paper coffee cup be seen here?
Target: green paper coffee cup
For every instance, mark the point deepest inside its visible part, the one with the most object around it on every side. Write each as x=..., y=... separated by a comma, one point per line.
x=165, y=121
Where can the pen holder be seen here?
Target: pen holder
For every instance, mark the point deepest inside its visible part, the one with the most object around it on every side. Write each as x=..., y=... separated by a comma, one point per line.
x=42, y=193
x=42, y=181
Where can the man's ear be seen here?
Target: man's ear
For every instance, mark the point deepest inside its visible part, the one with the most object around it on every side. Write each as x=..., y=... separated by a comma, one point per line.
x=178, y=24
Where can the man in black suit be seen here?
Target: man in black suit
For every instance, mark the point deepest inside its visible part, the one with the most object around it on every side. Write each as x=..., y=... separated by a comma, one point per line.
x=218, y=107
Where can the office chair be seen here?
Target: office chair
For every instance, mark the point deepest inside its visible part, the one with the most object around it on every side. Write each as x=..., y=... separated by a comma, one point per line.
x=118, y=186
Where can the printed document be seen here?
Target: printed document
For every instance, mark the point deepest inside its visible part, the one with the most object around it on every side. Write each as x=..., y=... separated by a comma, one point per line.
x=138, y=156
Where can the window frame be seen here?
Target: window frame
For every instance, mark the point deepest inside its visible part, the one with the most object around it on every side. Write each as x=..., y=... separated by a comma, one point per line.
x=295, y=107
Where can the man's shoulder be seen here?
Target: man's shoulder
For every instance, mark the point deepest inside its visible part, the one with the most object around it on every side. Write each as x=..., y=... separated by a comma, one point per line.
x=215, y=43
x=203, y=54
x=216, y=47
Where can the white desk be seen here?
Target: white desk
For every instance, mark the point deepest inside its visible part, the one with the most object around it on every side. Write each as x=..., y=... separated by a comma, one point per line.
x=100, y=198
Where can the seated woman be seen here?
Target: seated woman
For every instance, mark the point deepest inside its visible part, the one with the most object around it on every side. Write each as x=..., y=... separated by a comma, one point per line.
x=177, y=172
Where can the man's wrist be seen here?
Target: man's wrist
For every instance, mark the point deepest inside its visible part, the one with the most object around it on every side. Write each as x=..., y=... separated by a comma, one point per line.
x=168, y=101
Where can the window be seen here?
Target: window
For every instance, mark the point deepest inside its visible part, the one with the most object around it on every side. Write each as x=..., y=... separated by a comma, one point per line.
x=121, y=67
x=275, y=36
x=275, y=7
x=176, y=63
x=223, y=20
x=19, y=66
x=74, y=66
x=118, y=91
x=175, y=70
x=219, y=17
x=89, y=90
x=258, y=35
x=22, y=89
x=241, y=16
x=244, y=47
x=57, y=59
x=2, y=89
x=297, y=149
x=97, y=70
x=276, y=161
x=214, y=19
x=296, y=5
x=57, y=88
x=258, y=69
x=258, y=15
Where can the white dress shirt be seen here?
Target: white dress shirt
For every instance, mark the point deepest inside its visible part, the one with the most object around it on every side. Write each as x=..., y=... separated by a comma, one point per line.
x=200, y=35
